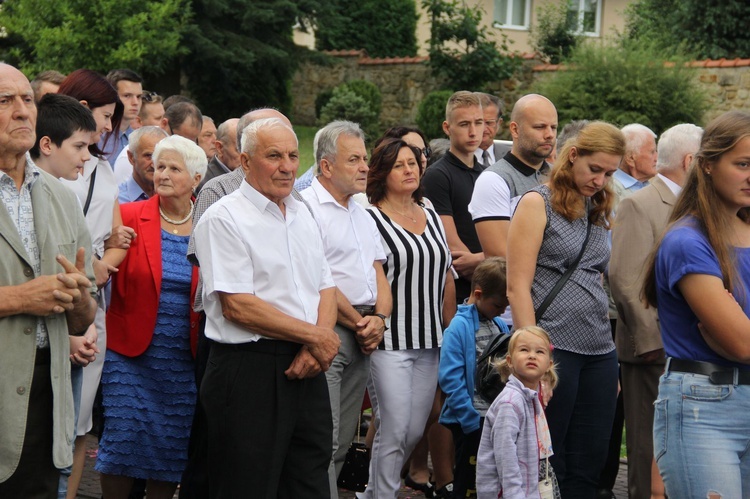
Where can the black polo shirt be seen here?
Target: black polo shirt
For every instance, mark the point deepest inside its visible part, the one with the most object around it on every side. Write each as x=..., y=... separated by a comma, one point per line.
x=449, y=184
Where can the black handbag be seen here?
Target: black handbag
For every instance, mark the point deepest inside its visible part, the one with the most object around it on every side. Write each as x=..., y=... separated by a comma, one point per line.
x=356, y=470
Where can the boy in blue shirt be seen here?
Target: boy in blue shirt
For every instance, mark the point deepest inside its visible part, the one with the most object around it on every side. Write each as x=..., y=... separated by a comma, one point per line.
x=474, y=325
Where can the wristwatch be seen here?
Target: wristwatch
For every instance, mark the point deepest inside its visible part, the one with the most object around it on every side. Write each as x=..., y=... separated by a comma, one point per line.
x=385, y=324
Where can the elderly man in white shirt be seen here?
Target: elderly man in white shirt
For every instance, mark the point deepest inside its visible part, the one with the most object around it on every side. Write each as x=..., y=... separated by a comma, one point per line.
x=270, y=306
x=352, y=245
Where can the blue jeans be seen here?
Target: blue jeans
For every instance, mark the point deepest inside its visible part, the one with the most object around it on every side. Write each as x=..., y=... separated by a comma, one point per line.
x=702, y=436
x=580, y=416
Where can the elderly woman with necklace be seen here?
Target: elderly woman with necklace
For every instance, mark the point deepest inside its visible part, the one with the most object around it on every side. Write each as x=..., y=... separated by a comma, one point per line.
x=148, y=384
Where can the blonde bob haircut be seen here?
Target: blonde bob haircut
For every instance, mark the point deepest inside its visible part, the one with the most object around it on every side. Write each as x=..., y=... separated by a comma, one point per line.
x=597, y=136
x=503, y=366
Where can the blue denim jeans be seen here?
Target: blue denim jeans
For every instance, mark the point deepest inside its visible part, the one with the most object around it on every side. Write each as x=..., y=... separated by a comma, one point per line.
x=702, y=437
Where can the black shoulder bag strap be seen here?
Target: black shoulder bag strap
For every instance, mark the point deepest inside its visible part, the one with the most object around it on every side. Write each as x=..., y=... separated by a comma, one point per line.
x=564, y=278
x=92, y=180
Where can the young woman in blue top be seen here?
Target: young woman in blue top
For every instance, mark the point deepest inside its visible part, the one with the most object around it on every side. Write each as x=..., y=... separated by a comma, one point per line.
x=700, y=278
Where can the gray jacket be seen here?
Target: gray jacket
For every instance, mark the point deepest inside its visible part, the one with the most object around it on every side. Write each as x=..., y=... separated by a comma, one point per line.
x=508, y=456
x=61, y=229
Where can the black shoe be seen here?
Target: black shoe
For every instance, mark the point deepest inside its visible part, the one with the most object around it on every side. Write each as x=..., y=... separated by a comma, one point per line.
x=445, y=492
x=428, y=489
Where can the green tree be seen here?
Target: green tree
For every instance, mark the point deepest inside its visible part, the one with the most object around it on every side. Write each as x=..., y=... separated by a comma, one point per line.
x=701, y=28
x=346, y=104
x=101, y=35
x=384, y=28
x=431, y=113
x=460, y=49
x=625, y=84
x=553, y=36
x=241, y=53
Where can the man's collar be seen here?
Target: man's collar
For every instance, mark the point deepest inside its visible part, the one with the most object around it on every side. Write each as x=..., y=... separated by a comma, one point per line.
x=262, y=203
x=522, y=167
x=221, y=164
x=324, y=196
x=625, y=179
x=453, y=160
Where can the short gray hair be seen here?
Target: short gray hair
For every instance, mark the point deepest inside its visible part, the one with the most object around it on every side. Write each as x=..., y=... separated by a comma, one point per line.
x=192, y=155
x=635, y=136
x=222, y=131
x=250, y=133
x=675, y=144
x=145, y=131
x=570, y=131
x=325, y=144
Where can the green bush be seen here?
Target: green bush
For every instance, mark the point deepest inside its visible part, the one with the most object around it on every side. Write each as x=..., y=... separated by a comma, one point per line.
x=553, y=36
x=624, y=84
x=369, y=92
x=347, y=105
x=431, y=113
x=321, y=100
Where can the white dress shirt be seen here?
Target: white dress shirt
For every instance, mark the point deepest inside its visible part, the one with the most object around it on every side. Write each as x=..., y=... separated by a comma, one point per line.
x=351, y=241
x=673, y=186
x=123, y=168
x=479, y=154
x=246, y=245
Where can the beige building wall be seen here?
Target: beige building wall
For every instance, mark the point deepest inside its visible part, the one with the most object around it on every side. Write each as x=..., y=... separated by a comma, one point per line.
x=610, y=22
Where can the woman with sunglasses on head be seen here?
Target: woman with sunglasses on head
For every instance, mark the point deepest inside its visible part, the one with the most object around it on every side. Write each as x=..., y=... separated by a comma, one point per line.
x=699, y=280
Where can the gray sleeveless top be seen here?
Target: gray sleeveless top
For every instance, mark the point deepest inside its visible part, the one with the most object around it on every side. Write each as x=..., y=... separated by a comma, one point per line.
x=577, y=318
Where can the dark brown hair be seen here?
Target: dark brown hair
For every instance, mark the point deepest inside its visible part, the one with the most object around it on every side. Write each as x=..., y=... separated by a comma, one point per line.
x=381, y=163
x=88, y=85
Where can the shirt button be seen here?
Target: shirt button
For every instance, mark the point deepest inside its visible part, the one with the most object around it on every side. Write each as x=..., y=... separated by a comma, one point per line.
x=28, y=272
x=27, y=330
x=20, y=390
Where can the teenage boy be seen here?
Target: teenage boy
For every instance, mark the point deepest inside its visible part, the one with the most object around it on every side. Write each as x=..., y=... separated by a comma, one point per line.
x=63, y=133
x=473, y=326
x=449, y=184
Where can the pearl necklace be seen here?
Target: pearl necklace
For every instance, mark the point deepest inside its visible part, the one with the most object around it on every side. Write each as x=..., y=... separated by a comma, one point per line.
x=177, y=222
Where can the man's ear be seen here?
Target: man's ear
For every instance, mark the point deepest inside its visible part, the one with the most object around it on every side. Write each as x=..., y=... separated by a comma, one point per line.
x=130, y=157
x=446, y=129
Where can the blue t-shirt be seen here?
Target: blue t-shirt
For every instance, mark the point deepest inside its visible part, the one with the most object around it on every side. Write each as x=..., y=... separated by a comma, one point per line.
x=686, y=250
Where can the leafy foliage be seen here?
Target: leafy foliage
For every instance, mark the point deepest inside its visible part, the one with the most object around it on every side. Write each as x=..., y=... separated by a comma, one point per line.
x=101, y=35
x=460, y=49
x=705, y=29
x=431, y=113
x=553, y=36
x=384, y=28
x=345, y=104
x=625, y=84
x=369, y=92
x=241, y=53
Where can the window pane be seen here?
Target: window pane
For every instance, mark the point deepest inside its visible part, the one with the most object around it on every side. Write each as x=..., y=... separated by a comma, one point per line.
x=519, y=13
x=589, y=15
x=501, y=11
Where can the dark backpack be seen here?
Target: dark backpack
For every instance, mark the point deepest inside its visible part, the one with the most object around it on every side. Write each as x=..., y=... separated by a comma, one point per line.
x=487, y=380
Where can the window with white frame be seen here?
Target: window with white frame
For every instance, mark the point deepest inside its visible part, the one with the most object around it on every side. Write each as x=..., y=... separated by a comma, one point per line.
x=585, y=16
x=512, y=13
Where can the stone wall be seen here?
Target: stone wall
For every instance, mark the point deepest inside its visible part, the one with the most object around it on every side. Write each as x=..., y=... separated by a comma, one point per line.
x=405, y=81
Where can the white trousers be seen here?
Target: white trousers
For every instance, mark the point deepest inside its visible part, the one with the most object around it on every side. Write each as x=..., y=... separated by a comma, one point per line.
x=92, y=373
x=402, y=388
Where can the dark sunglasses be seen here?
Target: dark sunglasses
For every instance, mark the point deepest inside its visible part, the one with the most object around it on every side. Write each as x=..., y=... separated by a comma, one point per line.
x=149, y=96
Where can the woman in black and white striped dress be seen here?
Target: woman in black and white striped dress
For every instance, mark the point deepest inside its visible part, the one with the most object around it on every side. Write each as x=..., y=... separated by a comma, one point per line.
x=404, y=368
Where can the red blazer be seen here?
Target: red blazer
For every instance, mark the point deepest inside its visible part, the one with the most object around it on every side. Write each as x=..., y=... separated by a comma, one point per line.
x=131, y=317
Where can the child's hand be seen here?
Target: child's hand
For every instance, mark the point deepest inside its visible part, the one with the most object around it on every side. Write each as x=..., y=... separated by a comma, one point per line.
x=546, y=391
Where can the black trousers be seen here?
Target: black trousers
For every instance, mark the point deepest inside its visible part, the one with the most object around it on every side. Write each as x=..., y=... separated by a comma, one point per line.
x=269, y=437
x=36, y=475
x=465, y=471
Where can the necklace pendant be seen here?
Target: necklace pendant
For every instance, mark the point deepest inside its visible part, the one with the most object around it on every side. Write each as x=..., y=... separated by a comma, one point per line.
x=174, y=231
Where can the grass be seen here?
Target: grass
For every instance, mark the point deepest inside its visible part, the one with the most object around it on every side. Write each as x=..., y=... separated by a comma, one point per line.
x=305, y=135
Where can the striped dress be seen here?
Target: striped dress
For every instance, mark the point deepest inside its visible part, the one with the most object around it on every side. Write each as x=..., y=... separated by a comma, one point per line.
x=416, y=267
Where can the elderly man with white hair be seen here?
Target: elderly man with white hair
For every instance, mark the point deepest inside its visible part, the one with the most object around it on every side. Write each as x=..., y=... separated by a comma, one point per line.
x=641, y=220
x=270, y=306
x=639, y=163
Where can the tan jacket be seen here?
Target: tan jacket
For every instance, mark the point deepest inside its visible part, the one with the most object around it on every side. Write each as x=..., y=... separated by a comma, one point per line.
x=60, y=228
x=640, y=223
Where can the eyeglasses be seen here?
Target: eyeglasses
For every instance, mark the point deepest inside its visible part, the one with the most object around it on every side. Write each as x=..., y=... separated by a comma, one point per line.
x=427, y=152
x=149, y=96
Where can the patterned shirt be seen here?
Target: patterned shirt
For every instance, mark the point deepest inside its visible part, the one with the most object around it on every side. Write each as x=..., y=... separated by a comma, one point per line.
x=18, y=205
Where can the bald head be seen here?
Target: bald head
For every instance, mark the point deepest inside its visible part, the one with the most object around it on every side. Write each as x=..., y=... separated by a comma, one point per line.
x=255, y=115
x=533, y=127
